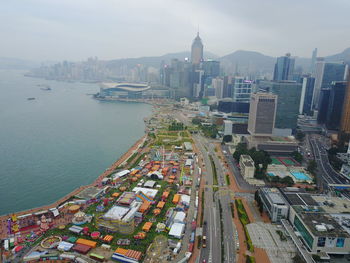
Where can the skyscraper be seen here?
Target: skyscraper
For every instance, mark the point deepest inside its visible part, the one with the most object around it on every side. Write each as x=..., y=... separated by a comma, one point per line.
x=197, y=50
x=306, y=95
x=325, y=73
x=284, y=68
x=262, y=114
x=241, y=90
x=289, y=95
x=313, y=61
x=211, y=68
x=345, y=118
x=335, y=106
x=218, y=86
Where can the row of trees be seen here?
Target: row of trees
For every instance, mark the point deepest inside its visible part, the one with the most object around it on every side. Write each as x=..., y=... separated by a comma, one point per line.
x=176, y=126
x=208, y=130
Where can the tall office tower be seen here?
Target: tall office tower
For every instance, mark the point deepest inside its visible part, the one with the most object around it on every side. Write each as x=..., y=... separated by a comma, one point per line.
x=313, y=61
x=289, y=95
x=211, y=68
x=325, y=73
x=345, y=118
x=241, y=90
x=284, y=68
x=180, y=79
x=225, y=93
x=323, y=105
x=218, y=85
x=197, y=50
x=335, y=105
x=198, y=84
x=262, y=114
x=307, y=91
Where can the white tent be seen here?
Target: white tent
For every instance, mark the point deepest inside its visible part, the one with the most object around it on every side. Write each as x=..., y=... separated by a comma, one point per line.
x=185, y=199
x=179, y=217
x=177, y=230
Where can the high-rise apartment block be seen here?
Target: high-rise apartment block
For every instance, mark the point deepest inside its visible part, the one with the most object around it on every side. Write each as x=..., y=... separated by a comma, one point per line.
x=262, y=114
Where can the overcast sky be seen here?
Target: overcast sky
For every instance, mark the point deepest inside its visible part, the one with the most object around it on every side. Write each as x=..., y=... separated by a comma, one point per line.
x=77, y=29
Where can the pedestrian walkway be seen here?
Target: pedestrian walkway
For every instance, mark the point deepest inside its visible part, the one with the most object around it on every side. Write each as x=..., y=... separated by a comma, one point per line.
x=265, y=236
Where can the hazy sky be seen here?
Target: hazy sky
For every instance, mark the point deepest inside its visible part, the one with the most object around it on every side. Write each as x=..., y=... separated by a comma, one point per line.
x=77, y=29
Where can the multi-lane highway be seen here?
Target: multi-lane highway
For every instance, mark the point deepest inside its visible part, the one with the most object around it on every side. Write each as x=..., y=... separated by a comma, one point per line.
x=327, y=175
x=327, y=172
x=212, y=253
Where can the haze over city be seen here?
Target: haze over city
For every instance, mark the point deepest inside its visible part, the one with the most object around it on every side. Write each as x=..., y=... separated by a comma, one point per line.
x=155, y=131
x=74, y=30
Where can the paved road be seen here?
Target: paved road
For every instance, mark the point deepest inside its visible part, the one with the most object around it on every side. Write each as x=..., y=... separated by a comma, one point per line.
x=224, y=197
x=212, y=252
x=237, y=174
x=329, y=175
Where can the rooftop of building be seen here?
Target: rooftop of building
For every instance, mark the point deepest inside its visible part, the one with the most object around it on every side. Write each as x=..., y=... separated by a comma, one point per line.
x=333, y=205
x=299, y=198
x=274, y=195
x=321, y=224
x=89, y=193
x=273, y=139
x=116, y=213
x=126, y=198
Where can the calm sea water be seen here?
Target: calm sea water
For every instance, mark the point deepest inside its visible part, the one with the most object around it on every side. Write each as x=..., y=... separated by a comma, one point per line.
x=61, y=140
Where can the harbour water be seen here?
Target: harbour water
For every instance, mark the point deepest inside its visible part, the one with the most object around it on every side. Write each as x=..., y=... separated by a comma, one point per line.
x=60, y=140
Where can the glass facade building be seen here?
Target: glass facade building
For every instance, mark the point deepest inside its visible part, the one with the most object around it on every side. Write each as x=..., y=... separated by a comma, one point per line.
x=241, y=90
x=288, y=101
x=284, y=68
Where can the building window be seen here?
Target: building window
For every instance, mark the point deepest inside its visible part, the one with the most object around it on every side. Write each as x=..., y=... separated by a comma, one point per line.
x=321, y=241
x=304, y=232
x=340, y=242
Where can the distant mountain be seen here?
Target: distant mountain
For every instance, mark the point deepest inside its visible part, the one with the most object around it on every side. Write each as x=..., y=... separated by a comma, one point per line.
x=156, y=60
x=15, y=63
x=342, y=56
x=247, y=61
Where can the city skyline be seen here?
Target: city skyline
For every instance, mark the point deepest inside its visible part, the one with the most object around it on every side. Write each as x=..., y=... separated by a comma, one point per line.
x=63, y=30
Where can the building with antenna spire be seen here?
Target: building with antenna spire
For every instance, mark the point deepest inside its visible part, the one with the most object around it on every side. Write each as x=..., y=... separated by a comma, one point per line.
x=197, y=50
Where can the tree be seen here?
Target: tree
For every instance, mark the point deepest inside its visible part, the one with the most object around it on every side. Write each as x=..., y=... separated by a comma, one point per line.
x=196, y=121
x=241, y=148
x=297, y=156
x=298, y=259
x=300, y=135
x=287, y=181
x=311, y=166
x=227, y=138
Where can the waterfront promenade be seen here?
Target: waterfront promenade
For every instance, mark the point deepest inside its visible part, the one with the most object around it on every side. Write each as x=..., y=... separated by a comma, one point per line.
x=114, y=166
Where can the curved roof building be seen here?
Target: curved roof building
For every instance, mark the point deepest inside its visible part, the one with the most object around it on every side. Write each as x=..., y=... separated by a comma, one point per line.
x=123, y=90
